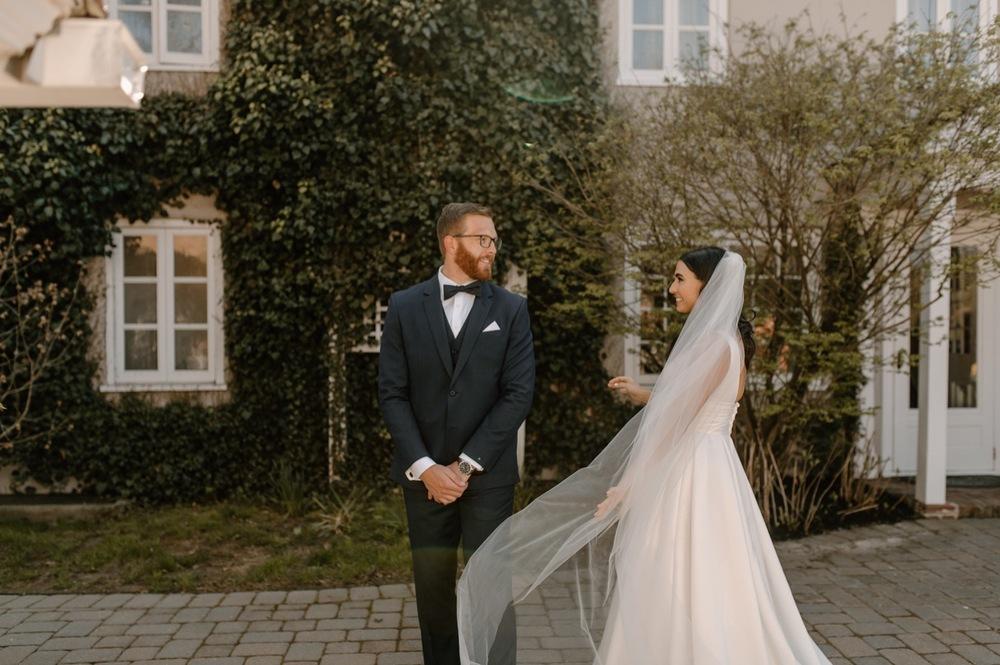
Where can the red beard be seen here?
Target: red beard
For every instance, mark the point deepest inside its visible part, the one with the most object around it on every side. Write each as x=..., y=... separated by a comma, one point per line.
x=470, y=265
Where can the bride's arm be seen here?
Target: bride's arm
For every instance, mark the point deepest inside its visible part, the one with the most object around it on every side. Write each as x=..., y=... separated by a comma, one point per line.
x=628, y=388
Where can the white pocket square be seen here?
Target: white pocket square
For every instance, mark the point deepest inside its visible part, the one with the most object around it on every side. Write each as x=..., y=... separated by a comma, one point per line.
x=493, y=327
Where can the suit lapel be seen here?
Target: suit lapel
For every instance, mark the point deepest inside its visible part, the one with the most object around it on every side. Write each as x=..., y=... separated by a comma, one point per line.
x=474, y=326
x=435, y=319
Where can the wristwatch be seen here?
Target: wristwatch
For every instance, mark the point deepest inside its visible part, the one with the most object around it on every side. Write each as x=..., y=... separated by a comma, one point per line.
x=465, y=468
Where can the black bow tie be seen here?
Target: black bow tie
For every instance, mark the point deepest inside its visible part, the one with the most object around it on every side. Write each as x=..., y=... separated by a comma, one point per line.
x=471, y=287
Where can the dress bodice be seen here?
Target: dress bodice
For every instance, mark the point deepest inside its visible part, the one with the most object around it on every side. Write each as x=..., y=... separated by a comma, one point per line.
x=716, y=416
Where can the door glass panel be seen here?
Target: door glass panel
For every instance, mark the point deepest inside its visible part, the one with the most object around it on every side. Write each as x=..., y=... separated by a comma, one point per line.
x=652, y=337
x=962, y=333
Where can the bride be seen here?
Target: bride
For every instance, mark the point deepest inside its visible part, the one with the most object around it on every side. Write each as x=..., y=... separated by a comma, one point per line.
x=656, y=553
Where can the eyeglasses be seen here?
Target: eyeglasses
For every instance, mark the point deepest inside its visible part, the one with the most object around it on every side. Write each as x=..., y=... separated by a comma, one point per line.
x=484, y=240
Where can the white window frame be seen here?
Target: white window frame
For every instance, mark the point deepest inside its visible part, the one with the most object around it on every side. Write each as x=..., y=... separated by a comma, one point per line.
x=718, y=15
x=163, y=60
x=165, y=378
x=374, y=320
x=987, y=12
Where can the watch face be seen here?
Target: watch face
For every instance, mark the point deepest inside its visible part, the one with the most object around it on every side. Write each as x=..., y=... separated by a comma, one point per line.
x=465, y=468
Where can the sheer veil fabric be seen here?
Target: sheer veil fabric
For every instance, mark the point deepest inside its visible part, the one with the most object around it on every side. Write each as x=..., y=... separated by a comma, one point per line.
x=682, y=571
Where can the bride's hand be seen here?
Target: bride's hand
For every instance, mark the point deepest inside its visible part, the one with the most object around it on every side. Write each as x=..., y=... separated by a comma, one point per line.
x=629, y=389
x=614, y=497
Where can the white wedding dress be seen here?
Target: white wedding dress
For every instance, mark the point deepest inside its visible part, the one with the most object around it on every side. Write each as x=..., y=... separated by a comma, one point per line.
x=681, y=571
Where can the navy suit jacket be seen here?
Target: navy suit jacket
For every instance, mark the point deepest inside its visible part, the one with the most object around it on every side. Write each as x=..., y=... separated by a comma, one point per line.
x=476, y=408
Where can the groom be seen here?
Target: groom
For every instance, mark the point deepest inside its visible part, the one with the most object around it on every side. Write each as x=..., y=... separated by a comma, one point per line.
x=456, y=378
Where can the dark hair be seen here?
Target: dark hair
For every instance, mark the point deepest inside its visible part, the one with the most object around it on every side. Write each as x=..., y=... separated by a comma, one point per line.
x=702, y=262
x=450, y=220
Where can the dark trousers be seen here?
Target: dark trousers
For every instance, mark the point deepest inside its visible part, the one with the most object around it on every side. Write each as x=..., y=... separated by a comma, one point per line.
x=435, y=534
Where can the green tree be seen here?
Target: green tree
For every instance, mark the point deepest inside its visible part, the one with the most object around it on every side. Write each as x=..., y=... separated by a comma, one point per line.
x=828, y=163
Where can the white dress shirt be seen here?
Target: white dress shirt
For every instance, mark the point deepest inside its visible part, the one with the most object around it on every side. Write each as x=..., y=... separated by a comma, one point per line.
x=456, y=310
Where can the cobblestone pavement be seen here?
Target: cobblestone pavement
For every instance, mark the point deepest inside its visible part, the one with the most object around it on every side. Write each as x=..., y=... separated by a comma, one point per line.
x=910, y=593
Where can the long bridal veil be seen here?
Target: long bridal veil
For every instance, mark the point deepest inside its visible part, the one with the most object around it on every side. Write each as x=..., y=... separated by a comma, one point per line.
x=555, y=558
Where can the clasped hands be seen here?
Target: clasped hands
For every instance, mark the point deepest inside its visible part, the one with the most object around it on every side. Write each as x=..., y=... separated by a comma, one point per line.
x=445, y=484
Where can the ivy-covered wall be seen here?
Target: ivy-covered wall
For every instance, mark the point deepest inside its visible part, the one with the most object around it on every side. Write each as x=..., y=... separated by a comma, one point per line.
x=331, y=139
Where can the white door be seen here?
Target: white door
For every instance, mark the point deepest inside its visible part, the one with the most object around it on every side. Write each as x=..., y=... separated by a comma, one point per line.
x=973, y=413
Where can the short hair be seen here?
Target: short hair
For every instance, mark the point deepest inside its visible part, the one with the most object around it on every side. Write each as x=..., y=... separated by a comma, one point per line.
x=450, y=220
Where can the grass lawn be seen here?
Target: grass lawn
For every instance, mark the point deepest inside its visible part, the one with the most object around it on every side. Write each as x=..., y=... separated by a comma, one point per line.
x=218, y=547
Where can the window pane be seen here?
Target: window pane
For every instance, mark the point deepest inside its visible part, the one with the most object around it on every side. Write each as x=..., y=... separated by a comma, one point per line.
x=190, y=256
x=140, y=24
x=647, y=12
x=140, y=349
x=923, y=13
x=647, y=49
x=140, y=256
x=140, y=303
x=141, y=3
x=694, y=48
x=184, y=32
x=962, y=367
x=190, y=303
x=190, y=3
x=694, y=12
x=966, y=14
x=191, y=349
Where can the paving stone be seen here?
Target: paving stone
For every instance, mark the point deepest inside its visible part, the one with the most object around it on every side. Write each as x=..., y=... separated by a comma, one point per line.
x=304, y=597
x=349, y=659
x=179, y=649
x=69, y=643
x=400, y=659
x=257, y=637
x=44, y=658
x=206, y=599
x=91, y=656
x=213, y=651
x=23, y=639
x=138, y=653
x=261, y=649
x=903, y=657
x=264, y=660
x=379, y=646
x=305, y=651
x=14, y=655
x=913, y=593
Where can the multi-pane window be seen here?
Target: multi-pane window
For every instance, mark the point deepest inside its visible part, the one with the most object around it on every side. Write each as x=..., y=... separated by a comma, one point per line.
x=661, y=38
x=926, y=15
x=165, y=305
x=181, y=34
